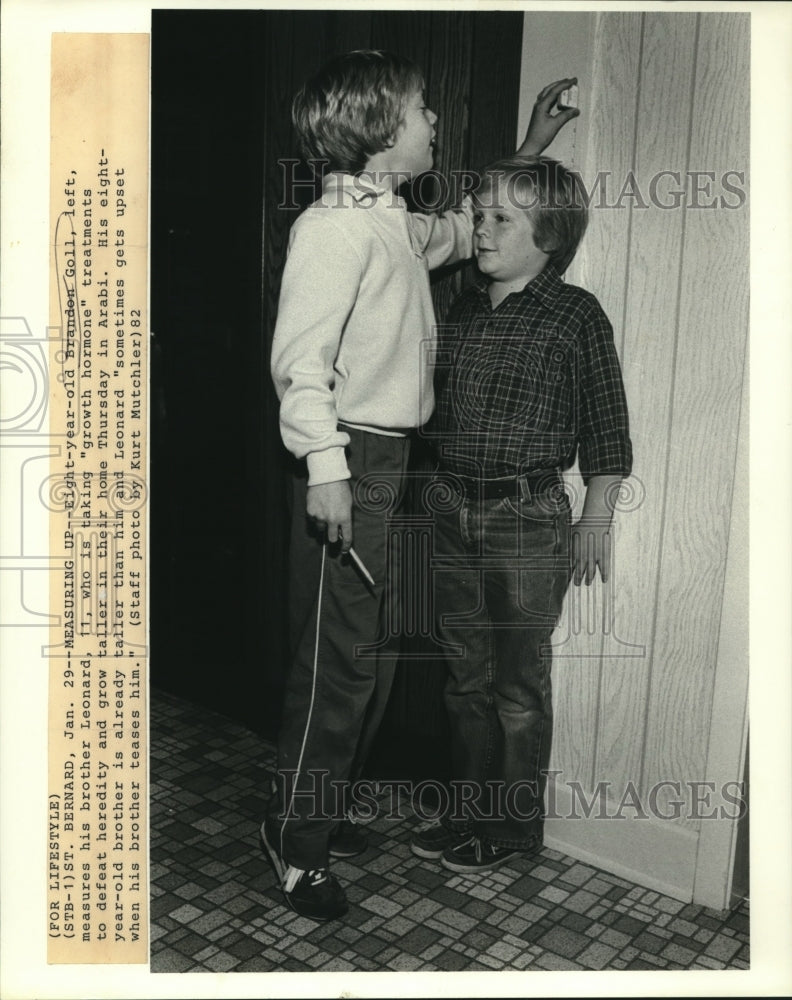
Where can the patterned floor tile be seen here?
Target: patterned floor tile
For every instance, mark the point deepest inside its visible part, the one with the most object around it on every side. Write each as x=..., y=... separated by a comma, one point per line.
x=215, y=906
x=597, y=956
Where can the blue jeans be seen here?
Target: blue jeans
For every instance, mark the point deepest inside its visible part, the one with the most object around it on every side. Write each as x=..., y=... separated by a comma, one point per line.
x=502, y=568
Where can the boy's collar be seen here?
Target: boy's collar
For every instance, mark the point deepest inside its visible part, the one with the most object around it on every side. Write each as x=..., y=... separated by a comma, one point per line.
x=361, y=186
x=544, y=287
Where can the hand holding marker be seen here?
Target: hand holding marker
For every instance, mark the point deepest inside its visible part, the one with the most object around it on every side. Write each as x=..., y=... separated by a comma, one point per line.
x=361, y=566
x=358, y=562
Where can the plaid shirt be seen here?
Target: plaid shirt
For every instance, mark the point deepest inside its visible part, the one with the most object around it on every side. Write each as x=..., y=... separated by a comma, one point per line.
x=524, y=386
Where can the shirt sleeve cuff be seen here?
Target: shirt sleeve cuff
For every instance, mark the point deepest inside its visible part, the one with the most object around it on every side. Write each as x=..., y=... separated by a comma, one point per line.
x=327, y=466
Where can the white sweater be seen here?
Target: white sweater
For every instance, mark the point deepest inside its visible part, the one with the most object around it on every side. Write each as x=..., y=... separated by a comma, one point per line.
x=356, y=326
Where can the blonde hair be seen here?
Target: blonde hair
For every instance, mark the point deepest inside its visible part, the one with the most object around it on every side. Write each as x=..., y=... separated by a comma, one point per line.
x=553, y=197
x=352, y=108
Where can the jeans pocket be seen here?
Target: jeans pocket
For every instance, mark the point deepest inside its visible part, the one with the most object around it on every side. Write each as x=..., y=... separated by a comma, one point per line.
x=545, y=508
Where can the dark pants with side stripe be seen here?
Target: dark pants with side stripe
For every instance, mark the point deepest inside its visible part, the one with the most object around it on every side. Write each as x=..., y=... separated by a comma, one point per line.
x=344, y=657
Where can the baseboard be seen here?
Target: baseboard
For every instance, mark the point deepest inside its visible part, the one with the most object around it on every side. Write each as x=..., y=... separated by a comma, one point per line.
x=651, y=852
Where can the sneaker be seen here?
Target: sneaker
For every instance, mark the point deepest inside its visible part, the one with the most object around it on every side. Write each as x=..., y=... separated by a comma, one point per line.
x=313, y=893
x=473, y=855
x=432, y=842
x=348, y=839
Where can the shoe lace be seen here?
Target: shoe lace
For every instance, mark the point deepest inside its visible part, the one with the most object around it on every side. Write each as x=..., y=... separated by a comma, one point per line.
x=315, y=876
x=479, y=848
x=477, y=845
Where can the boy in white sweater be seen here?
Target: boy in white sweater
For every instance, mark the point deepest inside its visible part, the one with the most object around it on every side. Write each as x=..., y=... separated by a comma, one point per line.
x=355, y=311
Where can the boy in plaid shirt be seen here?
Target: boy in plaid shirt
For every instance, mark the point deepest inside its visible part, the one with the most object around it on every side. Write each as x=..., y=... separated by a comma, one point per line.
x=526, y=378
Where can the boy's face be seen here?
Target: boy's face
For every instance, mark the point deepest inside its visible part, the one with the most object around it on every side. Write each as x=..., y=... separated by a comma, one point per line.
x=413, y=145
x=503, y=237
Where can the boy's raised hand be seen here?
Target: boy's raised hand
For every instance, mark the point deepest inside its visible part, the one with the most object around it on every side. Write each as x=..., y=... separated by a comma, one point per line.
x=544, y=126
x=330, y=507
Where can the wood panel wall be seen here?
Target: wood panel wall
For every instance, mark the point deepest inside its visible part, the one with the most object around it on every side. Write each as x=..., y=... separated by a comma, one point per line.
x=669, y=92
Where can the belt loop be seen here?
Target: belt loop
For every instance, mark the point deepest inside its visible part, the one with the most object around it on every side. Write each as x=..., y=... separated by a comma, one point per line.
x=525, y=490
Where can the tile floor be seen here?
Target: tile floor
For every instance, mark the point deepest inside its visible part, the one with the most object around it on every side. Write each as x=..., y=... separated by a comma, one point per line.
x=215, y=906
